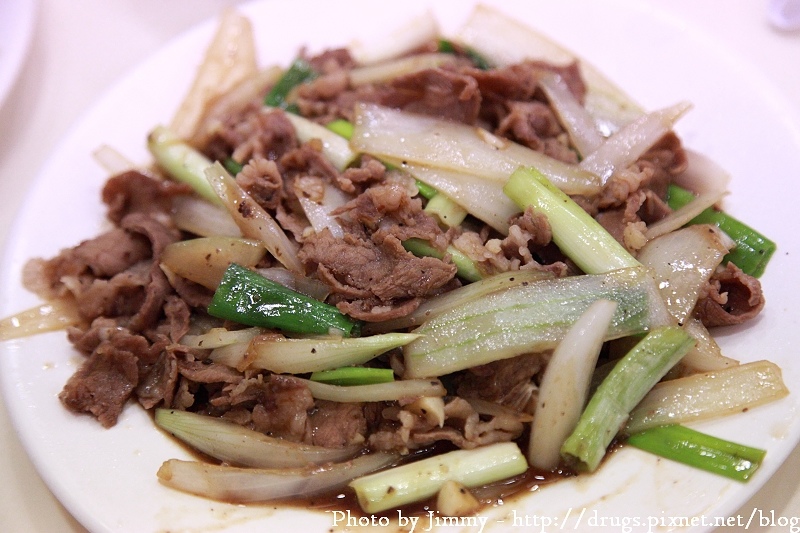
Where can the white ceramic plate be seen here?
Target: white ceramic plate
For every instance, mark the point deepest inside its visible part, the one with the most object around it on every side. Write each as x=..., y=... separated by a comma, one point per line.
x=17, y=19
x=106, y=478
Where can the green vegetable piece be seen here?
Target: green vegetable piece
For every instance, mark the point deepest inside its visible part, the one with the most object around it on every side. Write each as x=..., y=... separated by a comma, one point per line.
x=248, y=298
x=465, y=267
x=181, y=161
x=753, y=250
x=341, y=127
x=299, y=72
x=624, y=387
x=448, y=47
x=233, y=166
x=354, y=375
x=693, y=448
x=425, y=190
x=575, y=232
x=422, y=479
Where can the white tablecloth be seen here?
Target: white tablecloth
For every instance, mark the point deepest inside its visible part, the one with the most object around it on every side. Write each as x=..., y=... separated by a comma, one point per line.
x=80, y=48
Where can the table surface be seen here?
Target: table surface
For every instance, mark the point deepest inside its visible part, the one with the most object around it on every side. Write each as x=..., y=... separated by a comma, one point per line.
x=79, y=49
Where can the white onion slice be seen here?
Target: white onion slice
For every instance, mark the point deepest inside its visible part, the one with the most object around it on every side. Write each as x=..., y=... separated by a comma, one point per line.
x=580, y=125
x=232, y=484
x=424, y=140
x=631, y=142
x=202, y=218
x=335, y=147
x=413, y=34
x=218, y=337
x=708, y=395
x=565, y=384
x=702, y=174
x=482, y=198
x=680, y=217
x=302, y=284
x=112, y=160
x=682, y=263
x=319, y=213
x=251, y=218
x=398, y=67
x=234, y=444
x=706, y=354
x=606, y=102
x=229, y=59
x=51, y=316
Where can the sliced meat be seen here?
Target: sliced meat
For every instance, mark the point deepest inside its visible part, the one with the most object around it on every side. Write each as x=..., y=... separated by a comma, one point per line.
x=103, y=384
x=731, y=297
x=335, y=425
x=403, y=431
x=438, y=92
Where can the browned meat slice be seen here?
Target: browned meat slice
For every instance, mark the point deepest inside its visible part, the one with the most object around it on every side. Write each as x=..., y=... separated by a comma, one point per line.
x=134, y=192
x=507, y=382
x=731, y=297
x=438, y=92
x=335, y=425
x=103, y=383
x=403, y=430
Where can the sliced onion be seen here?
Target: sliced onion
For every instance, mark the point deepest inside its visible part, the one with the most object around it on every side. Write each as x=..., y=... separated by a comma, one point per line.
x=682, y=263
x=335, y=147
x=112, y=160
x=229, y=59
x=205, y=259
x=425, y=140
x=631, y=142
x=51, y=316
x=232, y=484
x=411, y=36
x=706, y=354
x=580, y=125
x=702, y=174
x=298, y=356
x=253, y=221
x=218, y=337
x=238, y=445
x=238, y=97
x=606, y=102
x=565, y=384
x=708, y=395
x=680, y=217
x=319, y=213
x=482, y=198
x=398, y=67
x=233, y=355
x=202, y=218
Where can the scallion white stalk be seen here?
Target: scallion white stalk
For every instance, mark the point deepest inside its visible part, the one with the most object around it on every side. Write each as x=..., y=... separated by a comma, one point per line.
x=422, y=479
x=530, y=318
x=575, y=232
x=622, y=389
x=379, y=392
